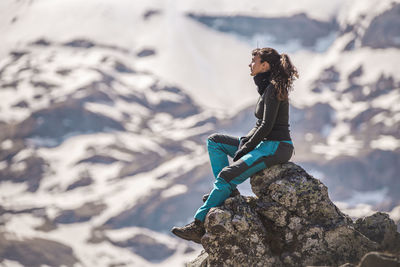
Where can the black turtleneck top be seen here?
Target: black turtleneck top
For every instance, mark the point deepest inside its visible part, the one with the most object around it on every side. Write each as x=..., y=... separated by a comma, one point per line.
x=272, y=115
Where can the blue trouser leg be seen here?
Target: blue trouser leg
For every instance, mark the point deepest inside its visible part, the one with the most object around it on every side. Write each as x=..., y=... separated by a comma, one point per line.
x=266, y=153
x=222, y=189
x=219, y=146
x=220, y=192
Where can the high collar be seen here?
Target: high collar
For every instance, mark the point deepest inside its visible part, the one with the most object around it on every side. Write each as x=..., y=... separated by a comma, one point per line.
x=262, y=80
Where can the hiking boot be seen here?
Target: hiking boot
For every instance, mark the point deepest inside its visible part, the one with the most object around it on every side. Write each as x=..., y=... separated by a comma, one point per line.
x=233, y=194
x=192, y=231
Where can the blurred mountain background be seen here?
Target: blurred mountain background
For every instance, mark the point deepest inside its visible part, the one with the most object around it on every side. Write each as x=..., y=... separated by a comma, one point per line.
x=106, y=106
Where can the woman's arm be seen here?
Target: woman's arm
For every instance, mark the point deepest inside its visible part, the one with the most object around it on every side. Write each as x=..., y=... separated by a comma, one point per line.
x=252, y=131
x=249, y=134
x=271, y=106
x=244, y=139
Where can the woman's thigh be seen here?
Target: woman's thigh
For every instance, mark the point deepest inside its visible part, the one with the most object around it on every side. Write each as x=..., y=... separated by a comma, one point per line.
x=228, y=144
x=282, y=154
x=239, y=171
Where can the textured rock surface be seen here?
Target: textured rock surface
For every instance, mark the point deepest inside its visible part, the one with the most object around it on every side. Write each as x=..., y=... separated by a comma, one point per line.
x=291, y=222
x=381, y=229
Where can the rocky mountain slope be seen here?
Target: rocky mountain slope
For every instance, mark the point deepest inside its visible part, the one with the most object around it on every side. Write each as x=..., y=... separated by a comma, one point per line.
x=104, y=117
x=85, y=144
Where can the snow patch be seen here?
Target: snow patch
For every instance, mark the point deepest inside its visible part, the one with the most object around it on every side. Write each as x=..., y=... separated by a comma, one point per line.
x=21, y=226
x=9, y=263
x=357, y=211
x=105, y=110
x=350, y=12
x=3, y=165
x=174, y=190
x=385, y=142
x=361, y=210
x=389, y=101
x=6, y=144
x=395, y=214
x=367, y=197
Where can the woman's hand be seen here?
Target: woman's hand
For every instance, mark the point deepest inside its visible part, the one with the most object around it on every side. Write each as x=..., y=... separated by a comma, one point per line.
x=243, y=140
x=240, y=153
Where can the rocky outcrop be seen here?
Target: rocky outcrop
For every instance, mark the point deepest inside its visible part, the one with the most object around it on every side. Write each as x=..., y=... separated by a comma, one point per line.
x=381, y=229
x=291, y=222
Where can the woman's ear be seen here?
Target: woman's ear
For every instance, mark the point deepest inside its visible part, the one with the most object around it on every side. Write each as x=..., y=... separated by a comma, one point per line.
x=265, y=66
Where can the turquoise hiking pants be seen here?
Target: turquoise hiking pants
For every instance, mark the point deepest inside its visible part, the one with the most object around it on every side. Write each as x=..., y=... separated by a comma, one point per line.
x=228, y=177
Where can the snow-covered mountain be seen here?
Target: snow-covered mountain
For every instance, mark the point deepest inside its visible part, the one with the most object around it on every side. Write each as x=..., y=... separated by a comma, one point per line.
x=106, y=107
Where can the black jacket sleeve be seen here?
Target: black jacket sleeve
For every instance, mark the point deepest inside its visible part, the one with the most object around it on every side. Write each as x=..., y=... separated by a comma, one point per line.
x=252, y=131
x=271, y=106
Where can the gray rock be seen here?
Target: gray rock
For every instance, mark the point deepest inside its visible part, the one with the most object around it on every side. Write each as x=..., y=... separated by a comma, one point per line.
x=381, y=229
x=291, y=222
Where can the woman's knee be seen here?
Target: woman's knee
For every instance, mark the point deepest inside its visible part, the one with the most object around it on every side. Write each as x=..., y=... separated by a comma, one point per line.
x=224, y=139
x=222, y=184
x=213, y=137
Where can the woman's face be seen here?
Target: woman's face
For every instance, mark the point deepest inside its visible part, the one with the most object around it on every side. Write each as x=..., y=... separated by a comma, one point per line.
x=257, y=67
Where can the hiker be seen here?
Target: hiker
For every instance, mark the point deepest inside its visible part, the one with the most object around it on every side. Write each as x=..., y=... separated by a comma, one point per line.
x=267, y=144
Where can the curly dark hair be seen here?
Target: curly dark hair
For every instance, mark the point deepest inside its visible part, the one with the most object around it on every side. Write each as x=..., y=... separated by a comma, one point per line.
x=282, y=70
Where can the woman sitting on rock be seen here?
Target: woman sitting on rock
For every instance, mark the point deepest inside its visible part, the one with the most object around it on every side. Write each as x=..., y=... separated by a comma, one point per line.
x=267, y=144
